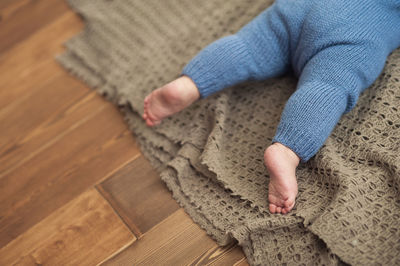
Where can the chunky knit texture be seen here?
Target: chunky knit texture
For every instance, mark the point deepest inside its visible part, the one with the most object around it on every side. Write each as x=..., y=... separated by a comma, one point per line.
x=335, y=48
x=211, y=154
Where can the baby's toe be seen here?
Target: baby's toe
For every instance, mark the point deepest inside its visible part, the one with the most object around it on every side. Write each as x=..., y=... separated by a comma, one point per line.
x=289, y=205
x=272, y=208
x=146, y=100
x=278, y=209
x=276, y=200
x=149, y=122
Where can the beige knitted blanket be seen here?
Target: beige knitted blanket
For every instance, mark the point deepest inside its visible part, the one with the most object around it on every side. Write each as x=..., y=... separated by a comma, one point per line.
x=211, y=155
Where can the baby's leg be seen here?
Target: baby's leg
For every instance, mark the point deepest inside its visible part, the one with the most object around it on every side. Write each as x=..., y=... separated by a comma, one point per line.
x=329, y=86
x=256, y=52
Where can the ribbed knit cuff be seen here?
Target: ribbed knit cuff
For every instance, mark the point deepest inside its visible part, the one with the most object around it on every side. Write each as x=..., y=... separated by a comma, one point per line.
x=219, y=65
x=301, y=143
x=309, y=117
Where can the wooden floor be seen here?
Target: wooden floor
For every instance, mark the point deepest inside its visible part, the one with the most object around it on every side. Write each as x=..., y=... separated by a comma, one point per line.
x=74, y=188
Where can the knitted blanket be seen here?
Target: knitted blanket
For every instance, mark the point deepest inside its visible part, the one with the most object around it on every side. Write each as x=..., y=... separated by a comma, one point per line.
x=211, y=154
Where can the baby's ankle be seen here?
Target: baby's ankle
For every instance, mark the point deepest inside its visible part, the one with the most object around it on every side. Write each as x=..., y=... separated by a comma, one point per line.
x=189, y=88
x=280, y=148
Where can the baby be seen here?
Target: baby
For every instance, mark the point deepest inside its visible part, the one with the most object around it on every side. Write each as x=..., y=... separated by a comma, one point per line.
x=336, y=48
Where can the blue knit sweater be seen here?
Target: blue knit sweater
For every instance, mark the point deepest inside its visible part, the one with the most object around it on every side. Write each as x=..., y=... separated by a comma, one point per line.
x=337, y=48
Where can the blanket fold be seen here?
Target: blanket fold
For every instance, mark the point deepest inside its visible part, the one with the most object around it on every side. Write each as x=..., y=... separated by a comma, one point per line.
x=211, y=154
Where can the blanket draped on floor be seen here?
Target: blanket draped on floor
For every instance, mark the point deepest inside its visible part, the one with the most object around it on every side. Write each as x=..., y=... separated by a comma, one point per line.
x=211, y=155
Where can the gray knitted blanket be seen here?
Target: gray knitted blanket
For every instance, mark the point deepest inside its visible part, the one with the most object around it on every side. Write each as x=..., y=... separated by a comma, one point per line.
x=211, y=155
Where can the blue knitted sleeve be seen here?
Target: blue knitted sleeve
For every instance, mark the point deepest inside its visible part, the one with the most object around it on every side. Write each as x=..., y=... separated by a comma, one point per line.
x=258, y=51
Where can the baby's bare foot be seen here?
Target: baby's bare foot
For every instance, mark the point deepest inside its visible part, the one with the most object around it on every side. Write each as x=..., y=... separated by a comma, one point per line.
x=281, y=163
x=169, y=99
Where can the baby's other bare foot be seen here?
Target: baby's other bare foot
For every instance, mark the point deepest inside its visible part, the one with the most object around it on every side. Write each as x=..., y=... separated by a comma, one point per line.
x=281, y=163
x=169, y=99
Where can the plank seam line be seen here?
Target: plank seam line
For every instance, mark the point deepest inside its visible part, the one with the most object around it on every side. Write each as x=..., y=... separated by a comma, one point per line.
x=112, y=172
x=107, y=197
x=117, y=252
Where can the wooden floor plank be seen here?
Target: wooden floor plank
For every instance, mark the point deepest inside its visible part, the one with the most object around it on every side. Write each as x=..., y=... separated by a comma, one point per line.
x=177, y=240
x=8, y=8
x=83, y=232
x=242, y=262
x=32, y=62
x=34, y=122
x=26, y=18
x=5, y=4
x=142, y=200
x=93, y=147
x=228, y=255
x=140, y=197
x=120, y=211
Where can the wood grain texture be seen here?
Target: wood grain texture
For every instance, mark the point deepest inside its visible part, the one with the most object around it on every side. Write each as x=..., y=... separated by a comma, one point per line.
x=53, y=112
x=142, y=199
x=174, y=241
x=8, y=8
x=24, y=18
x=217, y=255
x=242, y=262
x=5, y=4
x=95, y=145
x=31, y=63
x=83, y=232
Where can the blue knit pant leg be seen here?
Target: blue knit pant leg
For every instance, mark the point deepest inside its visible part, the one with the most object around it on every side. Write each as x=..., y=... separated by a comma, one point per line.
x=258, y=51
x=329, y=86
